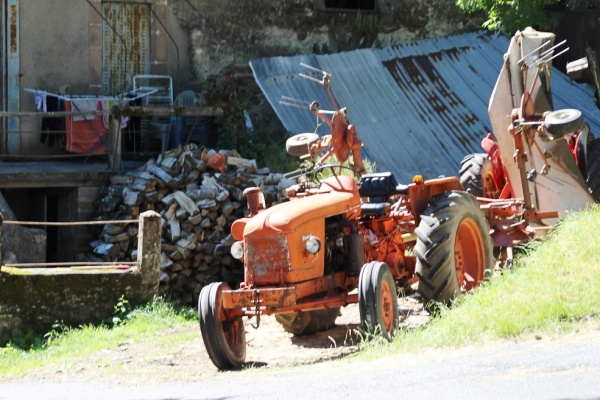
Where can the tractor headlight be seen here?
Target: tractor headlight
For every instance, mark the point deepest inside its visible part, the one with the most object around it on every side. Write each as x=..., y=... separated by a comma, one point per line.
x=237, y=250
x=312, y=244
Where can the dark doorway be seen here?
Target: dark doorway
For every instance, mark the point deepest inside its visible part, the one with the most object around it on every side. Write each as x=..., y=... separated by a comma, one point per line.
x=48, y=205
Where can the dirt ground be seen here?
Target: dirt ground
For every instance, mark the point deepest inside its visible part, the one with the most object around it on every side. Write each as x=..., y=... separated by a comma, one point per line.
x=268, y=346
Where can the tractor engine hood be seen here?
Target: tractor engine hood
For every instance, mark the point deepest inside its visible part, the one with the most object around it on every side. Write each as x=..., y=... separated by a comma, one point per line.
x=336, y=195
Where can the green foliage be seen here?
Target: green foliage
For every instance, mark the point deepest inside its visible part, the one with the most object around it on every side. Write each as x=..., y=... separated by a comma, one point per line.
x=25, y=340
x=512, y=15
x=365, y=30
x=371, y=338
x=266, y=147
x=161, y=309
x=358, y=33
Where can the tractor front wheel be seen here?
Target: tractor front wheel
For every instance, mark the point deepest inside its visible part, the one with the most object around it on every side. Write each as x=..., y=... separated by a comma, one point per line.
x=378, y=300
x=308, y=322
x=454, y=247
x=224, y=337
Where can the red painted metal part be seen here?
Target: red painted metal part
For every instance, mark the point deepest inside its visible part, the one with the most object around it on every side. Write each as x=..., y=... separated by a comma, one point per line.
x=273, y=300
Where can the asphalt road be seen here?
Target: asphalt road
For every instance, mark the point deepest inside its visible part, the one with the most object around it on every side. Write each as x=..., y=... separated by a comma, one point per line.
x=543, y=369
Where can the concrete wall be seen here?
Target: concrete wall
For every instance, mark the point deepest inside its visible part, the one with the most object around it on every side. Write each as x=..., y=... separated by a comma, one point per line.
x=54, y=51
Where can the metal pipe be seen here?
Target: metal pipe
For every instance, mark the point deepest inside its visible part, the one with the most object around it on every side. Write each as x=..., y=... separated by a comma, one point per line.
x=552, y=48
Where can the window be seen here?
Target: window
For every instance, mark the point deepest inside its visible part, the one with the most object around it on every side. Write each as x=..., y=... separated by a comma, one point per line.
x=363, y=5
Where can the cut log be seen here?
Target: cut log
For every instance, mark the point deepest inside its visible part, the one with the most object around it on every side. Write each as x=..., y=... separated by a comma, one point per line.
x=164, y=179
x=132, y=197
x=175, y=229
x=170, y=212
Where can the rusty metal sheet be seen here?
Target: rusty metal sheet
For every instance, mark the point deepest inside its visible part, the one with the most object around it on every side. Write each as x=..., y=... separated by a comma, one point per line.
x=126, y=52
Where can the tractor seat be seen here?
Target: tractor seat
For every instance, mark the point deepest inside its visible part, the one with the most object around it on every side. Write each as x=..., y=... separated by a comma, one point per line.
x=380, y=186
x=375, y=209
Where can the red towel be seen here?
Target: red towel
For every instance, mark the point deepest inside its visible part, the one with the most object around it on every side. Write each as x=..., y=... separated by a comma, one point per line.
x=86, y=136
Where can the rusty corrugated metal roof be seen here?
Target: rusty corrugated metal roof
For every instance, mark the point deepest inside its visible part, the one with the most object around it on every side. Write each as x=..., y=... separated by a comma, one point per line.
x=418, y=108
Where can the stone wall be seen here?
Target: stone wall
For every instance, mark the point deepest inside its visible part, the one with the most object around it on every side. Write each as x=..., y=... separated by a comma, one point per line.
x=19, y=243
x=33, y=299
x=234, y=32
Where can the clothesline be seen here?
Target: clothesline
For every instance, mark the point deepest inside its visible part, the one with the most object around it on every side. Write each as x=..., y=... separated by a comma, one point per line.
x=124, y=96
x=85, y=119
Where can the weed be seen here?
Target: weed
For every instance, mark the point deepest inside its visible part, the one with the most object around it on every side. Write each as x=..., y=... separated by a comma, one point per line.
x=26, y=341
x=371, y=338
x=58, y=331
x=122, y=312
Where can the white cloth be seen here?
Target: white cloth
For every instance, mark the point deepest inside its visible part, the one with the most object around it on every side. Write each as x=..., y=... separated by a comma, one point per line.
x=40, y=100
x=89, y=106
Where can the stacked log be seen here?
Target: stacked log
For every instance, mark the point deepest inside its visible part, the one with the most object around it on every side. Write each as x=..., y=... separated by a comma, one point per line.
x=197, y=204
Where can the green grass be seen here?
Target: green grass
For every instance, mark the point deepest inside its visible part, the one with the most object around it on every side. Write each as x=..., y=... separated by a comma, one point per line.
x=62, y=345
x=554, y=287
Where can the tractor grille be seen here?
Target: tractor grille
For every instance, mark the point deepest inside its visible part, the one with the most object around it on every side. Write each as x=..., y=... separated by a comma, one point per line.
x=267, y=260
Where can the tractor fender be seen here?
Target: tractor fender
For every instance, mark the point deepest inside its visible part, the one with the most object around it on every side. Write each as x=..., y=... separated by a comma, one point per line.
x=421, y=193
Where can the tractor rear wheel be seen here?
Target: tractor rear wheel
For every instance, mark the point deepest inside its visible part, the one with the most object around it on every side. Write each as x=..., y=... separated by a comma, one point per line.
x=593, y=169
x=298, y=145
x=308, y=322
x=454, y=247
x=470, y=173
x=224, y=338
x=378, y=299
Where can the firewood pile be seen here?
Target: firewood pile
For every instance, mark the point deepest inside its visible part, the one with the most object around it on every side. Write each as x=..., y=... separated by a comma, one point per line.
x=198, y=202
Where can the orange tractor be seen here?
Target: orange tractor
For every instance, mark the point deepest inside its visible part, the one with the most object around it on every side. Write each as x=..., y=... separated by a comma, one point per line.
x=341, y=240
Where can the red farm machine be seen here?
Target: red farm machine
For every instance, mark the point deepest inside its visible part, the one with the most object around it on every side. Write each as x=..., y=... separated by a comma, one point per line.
x=356, y=238
x=539, y=164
